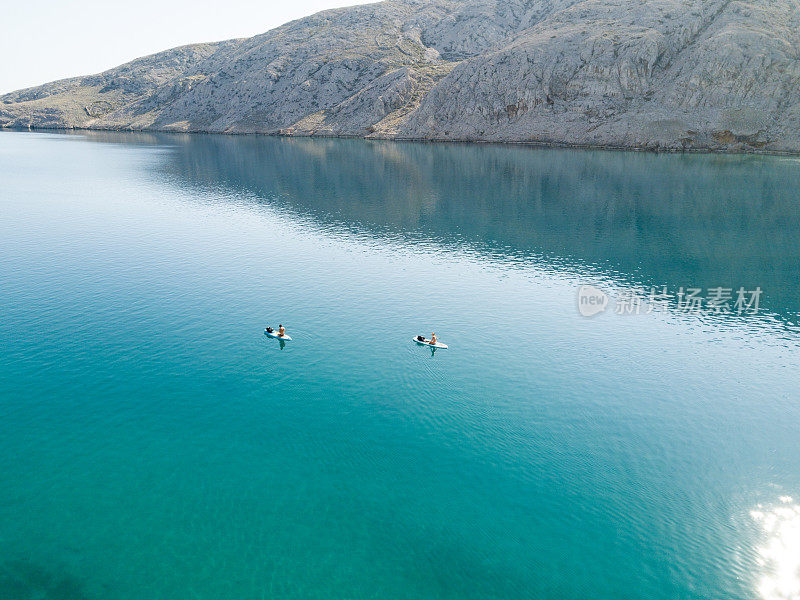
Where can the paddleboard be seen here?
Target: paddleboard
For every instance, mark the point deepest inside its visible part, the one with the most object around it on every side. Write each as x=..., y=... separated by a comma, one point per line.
x=429, y=345
x=275, y=335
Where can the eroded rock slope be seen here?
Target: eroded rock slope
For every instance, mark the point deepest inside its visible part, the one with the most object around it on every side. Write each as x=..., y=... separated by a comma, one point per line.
x=709, y=74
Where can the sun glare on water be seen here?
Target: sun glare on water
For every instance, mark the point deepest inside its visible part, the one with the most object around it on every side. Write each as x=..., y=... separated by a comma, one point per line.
x=779, y=556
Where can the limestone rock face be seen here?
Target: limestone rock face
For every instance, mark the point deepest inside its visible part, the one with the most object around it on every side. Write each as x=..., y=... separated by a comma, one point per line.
x=672, y=74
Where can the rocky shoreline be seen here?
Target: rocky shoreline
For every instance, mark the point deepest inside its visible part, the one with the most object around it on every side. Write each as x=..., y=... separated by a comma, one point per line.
x=532, y=144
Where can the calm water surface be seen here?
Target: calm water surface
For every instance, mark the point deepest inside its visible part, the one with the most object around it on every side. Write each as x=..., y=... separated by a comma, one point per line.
x=155, y=444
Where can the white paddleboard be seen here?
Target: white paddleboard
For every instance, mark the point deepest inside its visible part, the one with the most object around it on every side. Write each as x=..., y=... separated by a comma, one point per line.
x=429, y=345
x=275, y=335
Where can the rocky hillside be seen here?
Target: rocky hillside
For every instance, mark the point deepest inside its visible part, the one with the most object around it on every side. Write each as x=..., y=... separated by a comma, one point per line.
x=709, y=74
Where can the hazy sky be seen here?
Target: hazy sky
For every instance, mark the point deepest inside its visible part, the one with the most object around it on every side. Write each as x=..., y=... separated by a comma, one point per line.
x=45, y=40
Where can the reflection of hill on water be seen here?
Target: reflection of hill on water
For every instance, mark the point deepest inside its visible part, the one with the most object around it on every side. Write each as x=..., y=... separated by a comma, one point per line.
x=677, y=220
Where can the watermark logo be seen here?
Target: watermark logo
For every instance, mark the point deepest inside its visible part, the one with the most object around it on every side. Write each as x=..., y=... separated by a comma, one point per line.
x=591, y=300
x=631, y=301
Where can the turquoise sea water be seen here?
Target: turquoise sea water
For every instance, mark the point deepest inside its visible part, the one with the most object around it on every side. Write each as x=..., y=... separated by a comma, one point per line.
x=156, y=445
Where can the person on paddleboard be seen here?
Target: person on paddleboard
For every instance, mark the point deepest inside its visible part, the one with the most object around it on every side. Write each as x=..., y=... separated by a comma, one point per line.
x=433, y=339
x=281, y=331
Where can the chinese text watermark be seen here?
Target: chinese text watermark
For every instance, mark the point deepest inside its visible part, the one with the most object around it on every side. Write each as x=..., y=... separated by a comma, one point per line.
x=718, y=300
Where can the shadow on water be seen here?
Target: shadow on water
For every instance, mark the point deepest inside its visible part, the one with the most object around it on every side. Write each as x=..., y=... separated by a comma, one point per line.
x=651, y=219
x=24, y=580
